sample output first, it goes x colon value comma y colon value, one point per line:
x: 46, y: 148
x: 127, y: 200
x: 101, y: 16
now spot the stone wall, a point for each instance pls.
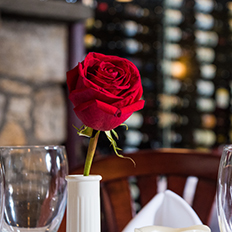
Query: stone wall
x: 33, y: 63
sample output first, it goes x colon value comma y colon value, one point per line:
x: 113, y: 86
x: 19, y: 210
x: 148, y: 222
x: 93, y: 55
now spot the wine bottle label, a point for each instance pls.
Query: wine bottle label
x: 174, y: 137
x: 205, y: 104
x: 134, y: 10
x: 133, y: 46
x: 222, y: 98
x: 204, y: 21
x: 173, y: 3
x: 166, y: 119
x: 206, y: 38
x: 135, y: 120
x: 205, y: 55
x: 130, y: 28
x: 205, y: 88
x: 168, y: 102
x: 133, y: 137
x: 166, y: 66
x: 229, y: 5
x: 208, y: 121
x: 172, y: 51
x: 173, y: 17
x: 172, y: 86
x: 205, y: 6
x: 172, y: 34
x: 208, y: 71
x: 204, y: 137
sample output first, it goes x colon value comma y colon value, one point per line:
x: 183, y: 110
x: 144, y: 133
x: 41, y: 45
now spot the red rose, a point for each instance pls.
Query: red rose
x: 105, y: 90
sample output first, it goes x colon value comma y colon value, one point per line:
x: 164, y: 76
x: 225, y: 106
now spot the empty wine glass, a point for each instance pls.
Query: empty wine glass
x: 2, y: 192
x: 224, y: 190
x: 35, y: 187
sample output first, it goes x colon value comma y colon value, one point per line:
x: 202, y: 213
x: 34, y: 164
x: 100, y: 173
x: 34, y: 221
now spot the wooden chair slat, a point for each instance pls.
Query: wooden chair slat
x: 176, y: 184
x: 120, y: 199
x: 203, y: 198
x: 148, y: 188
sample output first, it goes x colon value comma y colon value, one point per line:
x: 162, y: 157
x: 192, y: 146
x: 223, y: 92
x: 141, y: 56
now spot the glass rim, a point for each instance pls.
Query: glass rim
x: 81, y: 177
x: 46, y: 147
x: 227, y: 146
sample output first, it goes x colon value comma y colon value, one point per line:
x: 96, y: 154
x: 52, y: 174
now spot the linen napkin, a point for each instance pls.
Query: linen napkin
x: 165, y: 209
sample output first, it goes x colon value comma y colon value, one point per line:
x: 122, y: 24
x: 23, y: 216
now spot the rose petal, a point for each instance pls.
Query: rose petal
x: 88, y: 94
x: 106, y: 117
x: 132, y: 108
x: 109, y: 109
x: 102, y: 120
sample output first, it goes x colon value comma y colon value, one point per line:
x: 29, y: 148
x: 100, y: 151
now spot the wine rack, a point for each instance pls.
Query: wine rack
x: 182, y: 49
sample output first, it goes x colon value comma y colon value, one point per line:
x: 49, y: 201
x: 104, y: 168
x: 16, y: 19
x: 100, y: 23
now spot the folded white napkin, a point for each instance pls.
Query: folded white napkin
x: 165, y: 209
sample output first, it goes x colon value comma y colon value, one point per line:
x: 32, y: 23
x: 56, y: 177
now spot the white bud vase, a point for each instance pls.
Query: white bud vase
x: 83, y: 203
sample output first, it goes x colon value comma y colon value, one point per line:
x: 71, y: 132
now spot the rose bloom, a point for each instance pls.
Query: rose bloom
x: 105, y: 90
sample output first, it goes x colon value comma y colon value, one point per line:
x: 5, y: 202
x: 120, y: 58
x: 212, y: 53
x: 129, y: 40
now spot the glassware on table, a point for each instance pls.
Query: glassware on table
x: 35, y: 186
x: 224, y: 190
x: 2, y: 192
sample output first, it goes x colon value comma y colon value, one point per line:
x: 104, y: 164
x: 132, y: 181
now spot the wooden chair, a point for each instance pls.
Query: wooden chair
x: 176, y: 164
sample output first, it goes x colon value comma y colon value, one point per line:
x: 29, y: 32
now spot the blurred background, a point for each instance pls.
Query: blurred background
x: 182, y: 49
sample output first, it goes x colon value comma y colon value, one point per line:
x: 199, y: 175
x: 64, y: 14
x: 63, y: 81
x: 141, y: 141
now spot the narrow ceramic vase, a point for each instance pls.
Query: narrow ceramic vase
x: 83, y: 203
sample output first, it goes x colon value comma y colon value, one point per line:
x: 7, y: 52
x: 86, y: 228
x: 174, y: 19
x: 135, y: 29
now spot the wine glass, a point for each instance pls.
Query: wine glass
x: 2, y: 192
x: 224, y: 190
x: 35, y: 187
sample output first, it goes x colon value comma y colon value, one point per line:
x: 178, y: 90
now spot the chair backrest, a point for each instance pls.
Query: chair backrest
x: 175, y: 164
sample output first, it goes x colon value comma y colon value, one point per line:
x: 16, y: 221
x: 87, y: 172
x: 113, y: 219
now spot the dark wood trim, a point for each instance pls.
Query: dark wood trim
x: 55, y: 10
x: 76, y: 54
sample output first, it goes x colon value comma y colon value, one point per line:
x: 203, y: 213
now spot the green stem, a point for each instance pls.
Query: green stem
x: 90, y: 153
